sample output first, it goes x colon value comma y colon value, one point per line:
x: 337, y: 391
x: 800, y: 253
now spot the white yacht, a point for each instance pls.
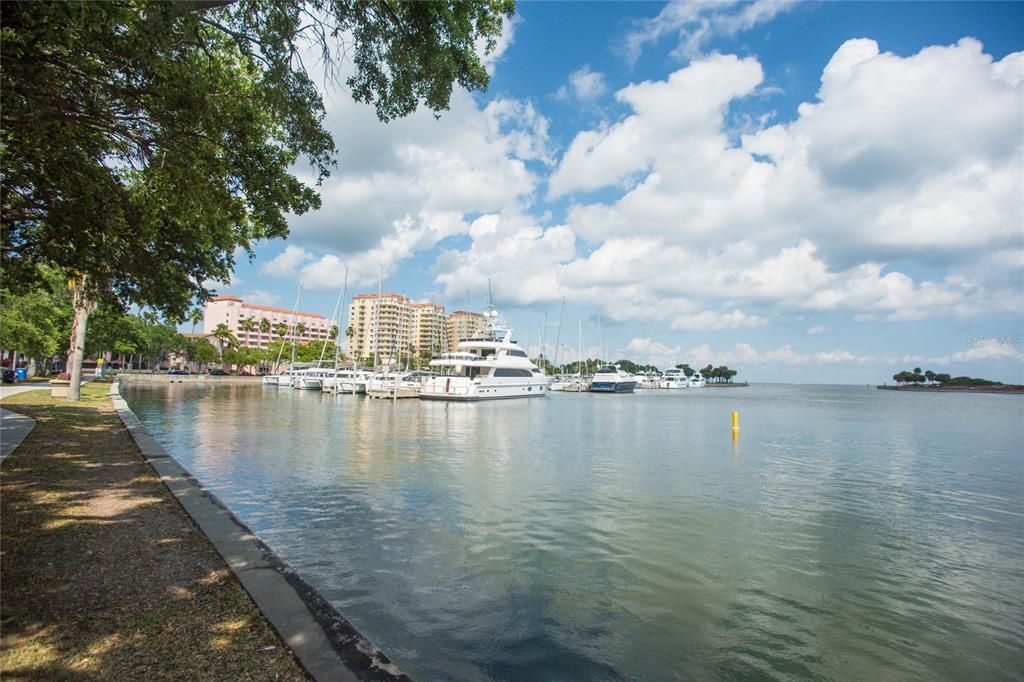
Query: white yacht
x: 697, y: 381
x: 674, y: 378
x: 346, y: 381
x: 313, y: 378
x: 649, y: 380
x: 569, y: 383
x: 487, y: 366
x: 612, y: 379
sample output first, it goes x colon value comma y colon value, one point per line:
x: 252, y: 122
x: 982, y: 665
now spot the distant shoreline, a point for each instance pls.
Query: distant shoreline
x: 955, y: 389
x: 742, y: 384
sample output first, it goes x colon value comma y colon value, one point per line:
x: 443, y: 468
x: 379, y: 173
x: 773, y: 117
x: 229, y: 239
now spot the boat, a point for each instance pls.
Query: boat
x: 346, y: 381
x: 487, y: 366
x: 312, y: 379
x: 612, y: 379
x: 697, y: 381
x: 568, y: 383
x: 395, y: 385
x: 674, y: 378
x: 648, y: 381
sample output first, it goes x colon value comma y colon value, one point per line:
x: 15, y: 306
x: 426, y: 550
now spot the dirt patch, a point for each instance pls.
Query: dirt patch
x: 104, y: 575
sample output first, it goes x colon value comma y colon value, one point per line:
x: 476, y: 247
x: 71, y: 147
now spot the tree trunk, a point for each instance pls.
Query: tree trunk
x: 83, y: 307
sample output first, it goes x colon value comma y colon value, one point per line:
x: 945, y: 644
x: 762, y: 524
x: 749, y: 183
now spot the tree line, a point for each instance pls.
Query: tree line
x: 929, y: 377
x: 720, y: 374
x: 147, y: 143
x: 36, y: 328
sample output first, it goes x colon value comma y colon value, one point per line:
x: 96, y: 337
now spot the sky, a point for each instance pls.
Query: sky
x: 808, y: 192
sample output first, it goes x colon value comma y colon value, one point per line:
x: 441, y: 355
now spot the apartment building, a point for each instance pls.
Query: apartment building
x: 462, y: 324
x: 233, y: 311
x: 430, y: 328
x: 379, y: 324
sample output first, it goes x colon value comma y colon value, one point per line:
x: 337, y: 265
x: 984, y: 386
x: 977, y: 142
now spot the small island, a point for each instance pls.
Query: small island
x: 931, y: 382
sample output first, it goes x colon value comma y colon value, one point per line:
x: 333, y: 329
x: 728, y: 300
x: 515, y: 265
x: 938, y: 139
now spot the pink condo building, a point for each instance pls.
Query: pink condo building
x: 232, y: 311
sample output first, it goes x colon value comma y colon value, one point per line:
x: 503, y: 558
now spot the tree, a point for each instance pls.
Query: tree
x: 195, y: 316
x: 930, y: 376
x: 687, y: 370
x: 300, y: 329
x: 35, y: 322
x: 281, y: 330
x: 707, y: 372
x: 224, y: 337
x: 264, y: 329
x: 146, y: 142
x: 201, y: 351
x: 248, y: 325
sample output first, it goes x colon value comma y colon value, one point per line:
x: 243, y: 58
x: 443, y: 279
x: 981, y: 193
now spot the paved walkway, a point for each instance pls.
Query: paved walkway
x: 14, y: 427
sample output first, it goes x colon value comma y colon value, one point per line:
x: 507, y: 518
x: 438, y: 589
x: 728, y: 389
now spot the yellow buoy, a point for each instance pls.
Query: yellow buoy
x: 735, y: 421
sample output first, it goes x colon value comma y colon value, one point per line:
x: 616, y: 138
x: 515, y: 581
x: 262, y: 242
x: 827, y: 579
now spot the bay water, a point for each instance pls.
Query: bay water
x: 847, y: 534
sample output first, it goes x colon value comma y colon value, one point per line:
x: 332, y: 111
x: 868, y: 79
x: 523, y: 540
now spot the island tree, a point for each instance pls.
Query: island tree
x: 145, y: 142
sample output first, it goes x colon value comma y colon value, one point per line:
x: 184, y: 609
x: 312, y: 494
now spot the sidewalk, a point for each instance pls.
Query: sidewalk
x: 104, y: 575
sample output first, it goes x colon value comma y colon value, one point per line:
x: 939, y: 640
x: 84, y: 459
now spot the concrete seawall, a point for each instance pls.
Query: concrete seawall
x: 326, y: 644
x: 187, y: 379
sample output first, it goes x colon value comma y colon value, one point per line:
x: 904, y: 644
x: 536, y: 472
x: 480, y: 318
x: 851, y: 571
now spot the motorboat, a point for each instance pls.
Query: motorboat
x: 697, y: 381
x: 674, y: 378
x: 487, y: 366
x: 612, y: 379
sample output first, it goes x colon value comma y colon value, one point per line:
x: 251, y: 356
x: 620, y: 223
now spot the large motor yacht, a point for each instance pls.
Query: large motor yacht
x: 674, y: 378
x: 611, y: 379
x: 486, y: 366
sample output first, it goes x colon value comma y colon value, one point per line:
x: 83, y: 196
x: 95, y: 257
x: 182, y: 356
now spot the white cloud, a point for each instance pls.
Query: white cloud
x: 695, y: 23
x: 816, y: 329
x: 260, y: 297
x: 287, y: 263
x: 991, y: 349
x: 584, y: 85
x: 712, y: 321
x: 811, y: 211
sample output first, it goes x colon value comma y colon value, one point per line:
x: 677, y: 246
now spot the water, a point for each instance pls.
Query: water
x: 851, y: 533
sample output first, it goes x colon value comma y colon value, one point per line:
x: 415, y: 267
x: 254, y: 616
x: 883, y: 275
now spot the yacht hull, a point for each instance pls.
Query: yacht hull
x: 452, y: 388
x: 613, y: 387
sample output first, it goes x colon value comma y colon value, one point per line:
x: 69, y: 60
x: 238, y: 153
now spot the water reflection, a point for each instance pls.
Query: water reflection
x: 856, y: 534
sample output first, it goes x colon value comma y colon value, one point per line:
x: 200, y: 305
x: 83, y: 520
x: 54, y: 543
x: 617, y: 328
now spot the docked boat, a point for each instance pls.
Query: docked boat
x: 312, y: 379
x: 487, y: 366
x: 674, y: 378
x: 648, y: 381
x: 569, y: 383
x: 346, y: 381
x: 395, y: 385
x: 697, y: 381
x: 612, y: 379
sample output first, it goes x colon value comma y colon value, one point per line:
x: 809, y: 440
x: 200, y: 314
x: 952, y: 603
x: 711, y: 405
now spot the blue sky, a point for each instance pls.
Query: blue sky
x: 807, y: 192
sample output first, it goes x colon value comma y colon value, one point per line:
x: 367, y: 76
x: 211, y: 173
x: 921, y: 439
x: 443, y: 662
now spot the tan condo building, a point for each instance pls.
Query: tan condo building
x: 233, y: 311
x: 430, y: 328
x: 379, y: 325
x: 463, y: 324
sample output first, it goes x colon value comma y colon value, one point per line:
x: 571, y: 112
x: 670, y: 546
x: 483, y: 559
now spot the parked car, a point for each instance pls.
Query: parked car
x: 178, y: 372
x: 218, y: 373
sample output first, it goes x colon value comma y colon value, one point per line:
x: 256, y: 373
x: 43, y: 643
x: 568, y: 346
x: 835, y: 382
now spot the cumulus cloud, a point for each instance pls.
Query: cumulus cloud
x: 816, y: 329
x: 584, y: 85
x: 991, y: 349
x: 695, y: 23
x: 806, y: 215
x: 287, y: 263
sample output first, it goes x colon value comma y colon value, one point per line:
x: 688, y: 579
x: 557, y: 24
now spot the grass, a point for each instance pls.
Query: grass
x: 104, y: 575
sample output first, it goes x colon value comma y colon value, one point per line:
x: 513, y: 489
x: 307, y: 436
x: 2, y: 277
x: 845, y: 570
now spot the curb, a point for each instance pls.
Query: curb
x: 325, y: 643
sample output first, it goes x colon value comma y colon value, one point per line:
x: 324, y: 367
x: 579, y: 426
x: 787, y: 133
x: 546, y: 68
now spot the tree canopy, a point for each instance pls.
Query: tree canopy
x: 144, y: 142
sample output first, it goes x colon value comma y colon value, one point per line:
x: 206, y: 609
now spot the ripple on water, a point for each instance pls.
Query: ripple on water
x: 853, y: 535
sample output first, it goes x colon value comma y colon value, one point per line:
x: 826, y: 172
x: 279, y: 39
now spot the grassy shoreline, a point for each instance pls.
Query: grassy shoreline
x: 104, y: 574
x: 1003, y: 388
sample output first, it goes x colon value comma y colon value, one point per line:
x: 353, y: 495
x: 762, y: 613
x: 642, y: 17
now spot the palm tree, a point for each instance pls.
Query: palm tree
x: 300, y: 329
x: 195, y: 316
x: 224, y: 337
x: 248, y: 325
